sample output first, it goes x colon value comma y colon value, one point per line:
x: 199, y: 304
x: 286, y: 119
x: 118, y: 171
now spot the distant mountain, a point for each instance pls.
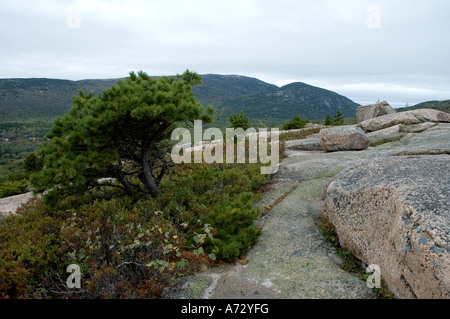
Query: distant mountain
x: 294, y: 99
x: 443, y: 106
x: 42, y: 98
x: 218, y: 88
x: 49, y: 98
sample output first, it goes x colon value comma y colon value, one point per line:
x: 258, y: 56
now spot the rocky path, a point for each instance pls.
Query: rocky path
x: 291, y: 259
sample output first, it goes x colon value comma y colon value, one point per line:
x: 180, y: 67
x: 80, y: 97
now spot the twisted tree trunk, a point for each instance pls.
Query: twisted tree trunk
x: 149, y: 181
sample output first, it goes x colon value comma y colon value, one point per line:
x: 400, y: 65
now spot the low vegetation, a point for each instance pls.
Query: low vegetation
x: 128, y: 248
x: 300, y: 134
x: 13, y: 187
x: 127, y: 244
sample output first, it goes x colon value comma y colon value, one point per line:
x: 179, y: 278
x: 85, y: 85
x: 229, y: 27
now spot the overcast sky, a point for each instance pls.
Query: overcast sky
x: 397, y: 50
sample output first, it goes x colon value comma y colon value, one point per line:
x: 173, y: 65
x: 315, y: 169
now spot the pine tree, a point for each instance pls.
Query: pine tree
x: 118, y: 135
x: 239, y: 120
x: 338, y: 118
x: 328, y: 121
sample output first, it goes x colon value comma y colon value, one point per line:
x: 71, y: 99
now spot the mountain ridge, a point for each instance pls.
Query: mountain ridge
x: 443, y: 106
x: 296, y: 98
x: 31, y: 98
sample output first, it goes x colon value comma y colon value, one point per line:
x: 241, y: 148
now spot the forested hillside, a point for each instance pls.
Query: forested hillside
x: 25, y: 99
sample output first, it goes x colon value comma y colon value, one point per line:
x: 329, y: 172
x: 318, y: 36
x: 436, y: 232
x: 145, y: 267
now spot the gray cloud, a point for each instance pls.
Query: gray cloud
x: 324, y: 42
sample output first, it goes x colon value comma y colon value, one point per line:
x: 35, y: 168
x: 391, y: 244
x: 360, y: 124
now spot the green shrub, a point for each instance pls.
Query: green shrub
x: 296, y: 123
x: 232, y: 222
x: 29, y: 250
x: 33, y: 163
x: 11, y: 188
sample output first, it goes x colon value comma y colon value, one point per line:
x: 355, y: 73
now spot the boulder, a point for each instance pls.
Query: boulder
x: 343, y: 138
x: 440, y: 127
x: 431, y: 115
x: 393, y: 212
x: 430, y: 142
x: 373, y: 110
x: 389, y: 120
x: 417, y: 128
x: 307, y: 144
x: 405, y: 118
x: 9, y: 205
x: 386, y: 135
